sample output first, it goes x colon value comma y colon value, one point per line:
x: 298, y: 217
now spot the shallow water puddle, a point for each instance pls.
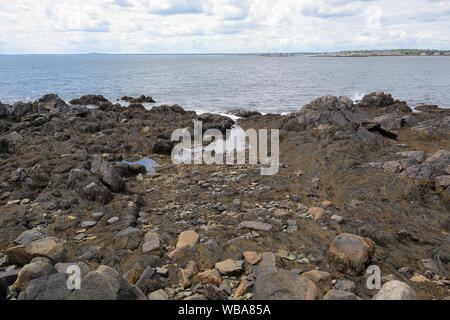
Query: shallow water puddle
x: 148, y: 163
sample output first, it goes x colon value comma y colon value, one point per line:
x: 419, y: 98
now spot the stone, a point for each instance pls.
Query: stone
x: 284, y: 285
x: 49, y: 247
x: 337, y: 218
x: 149, y: 281
x: 419, y: 278
x: 229, y: 267
x: 97, y: 193
x: 327, y: 204
x: 98, y: 215
x: 88, y: 224
x: 350, y: 252
x: 158, y: 295
x: 113, y: 220
x: 108, y: 271
x: 187, y: 239
x: 7, y: 278
x: 431, y: 265
x: 345, y: 285
x: 32, y: 271
x: 28, y: 236
x: 105, y: 172
x: 439, y: 161
x: 151, y: 242
x: 252, y: 257
x: 316, y: 212
x: 213, y: 293
x: 320, y: 278
x: 243, y: 288
x: 129, y: 238
x: 443, y: 181
x: 4, y: 261
x: 211, y: 276
x: 419, y: 156
x: 334, y: 294
x: 49, y: 287
x: 63, y: 267
x: 392, y: 166
x: 255, y: 225
x: 103, y: 286
x: 418, y: 171
x: 395, y: 290
x: 186, y: 274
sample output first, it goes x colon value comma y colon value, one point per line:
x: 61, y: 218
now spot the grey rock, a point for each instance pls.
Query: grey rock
x: 284, y: 285
x: 7, y: 278
x: 255, y: 225
x: 420, y: 156
x: 395, y: 290
x: 64, y: 267
x: 418, y: 171
x: 50, y: 287
x: 102, y: 286
x: 439, y: 161
x: 334, y: 294
x: 88, y: 224
x: 32, y: 271
x: 28, y: 236
x: 345, y: 285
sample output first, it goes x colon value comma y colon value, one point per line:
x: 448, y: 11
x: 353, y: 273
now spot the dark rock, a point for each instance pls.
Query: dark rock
x: 91, y: 99
x: 331, y: 110
x: 105, y: 172
x: 141, y: 99
x: 284, y: 285
x: 334, y: 294
x: 106, y: 286
x: 49, y: 287
x: 7, y: 278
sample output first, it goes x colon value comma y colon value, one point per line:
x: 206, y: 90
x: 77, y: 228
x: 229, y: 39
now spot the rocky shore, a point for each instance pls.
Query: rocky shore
x: 359, y: 184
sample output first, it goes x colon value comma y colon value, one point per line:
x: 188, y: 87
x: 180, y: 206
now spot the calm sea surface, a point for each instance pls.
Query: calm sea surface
x: 217, y: 83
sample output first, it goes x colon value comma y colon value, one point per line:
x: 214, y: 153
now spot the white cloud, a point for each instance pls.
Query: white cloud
x: 183, y: 26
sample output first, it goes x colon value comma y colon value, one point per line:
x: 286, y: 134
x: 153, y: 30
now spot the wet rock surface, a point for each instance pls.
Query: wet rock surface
x: 359, y: 184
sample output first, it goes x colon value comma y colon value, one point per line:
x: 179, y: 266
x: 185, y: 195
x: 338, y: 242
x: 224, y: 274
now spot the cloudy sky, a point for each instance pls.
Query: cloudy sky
x: 213, y: 26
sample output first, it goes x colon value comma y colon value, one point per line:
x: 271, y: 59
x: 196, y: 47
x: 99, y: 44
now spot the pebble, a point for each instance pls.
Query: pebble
x: 113, y: 220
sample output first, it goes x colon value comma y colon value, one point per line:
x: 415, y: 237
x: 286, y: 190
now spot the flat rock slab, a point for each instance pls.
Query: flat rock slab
x: 49, y: 247
x: 256, y: 225
x: 229, y: 267
x: 284, y: 285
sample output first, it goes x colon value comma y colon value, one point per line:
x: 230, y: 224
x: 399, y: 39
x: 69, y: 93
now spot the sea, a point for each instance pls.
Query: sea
x: 219, y: 83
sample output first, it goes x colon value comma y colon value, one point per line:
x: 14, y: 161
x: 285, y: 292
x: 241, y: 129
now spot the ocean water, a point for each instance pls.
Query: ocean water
x: 217, y: 83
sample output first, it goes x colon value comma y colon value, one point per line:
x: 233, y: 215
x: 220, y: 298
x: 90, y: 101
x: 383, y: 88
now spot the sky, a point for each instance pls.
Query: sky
x: 221, y: 26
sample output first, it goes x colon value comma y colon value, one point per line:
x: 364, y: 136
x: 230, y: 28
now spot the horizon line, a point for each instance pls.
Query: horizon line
x: 224, y: 53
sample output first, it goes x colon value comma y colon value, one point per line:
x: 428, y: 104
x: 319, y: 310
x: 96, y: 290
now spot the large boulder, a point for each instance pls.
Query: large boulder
x: 105, y: 285
x: 349, y: 253
x: 215, y: 121
x: 36, y: 269
x: 395, y: 290
x: 439, y: 161
x: 49, y: 247
x: 128, y: 238
x: 331, y: 110
x: 90, y: 99
x: 106, y: 172
x: 284, y: 285
x: 48, y: 287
